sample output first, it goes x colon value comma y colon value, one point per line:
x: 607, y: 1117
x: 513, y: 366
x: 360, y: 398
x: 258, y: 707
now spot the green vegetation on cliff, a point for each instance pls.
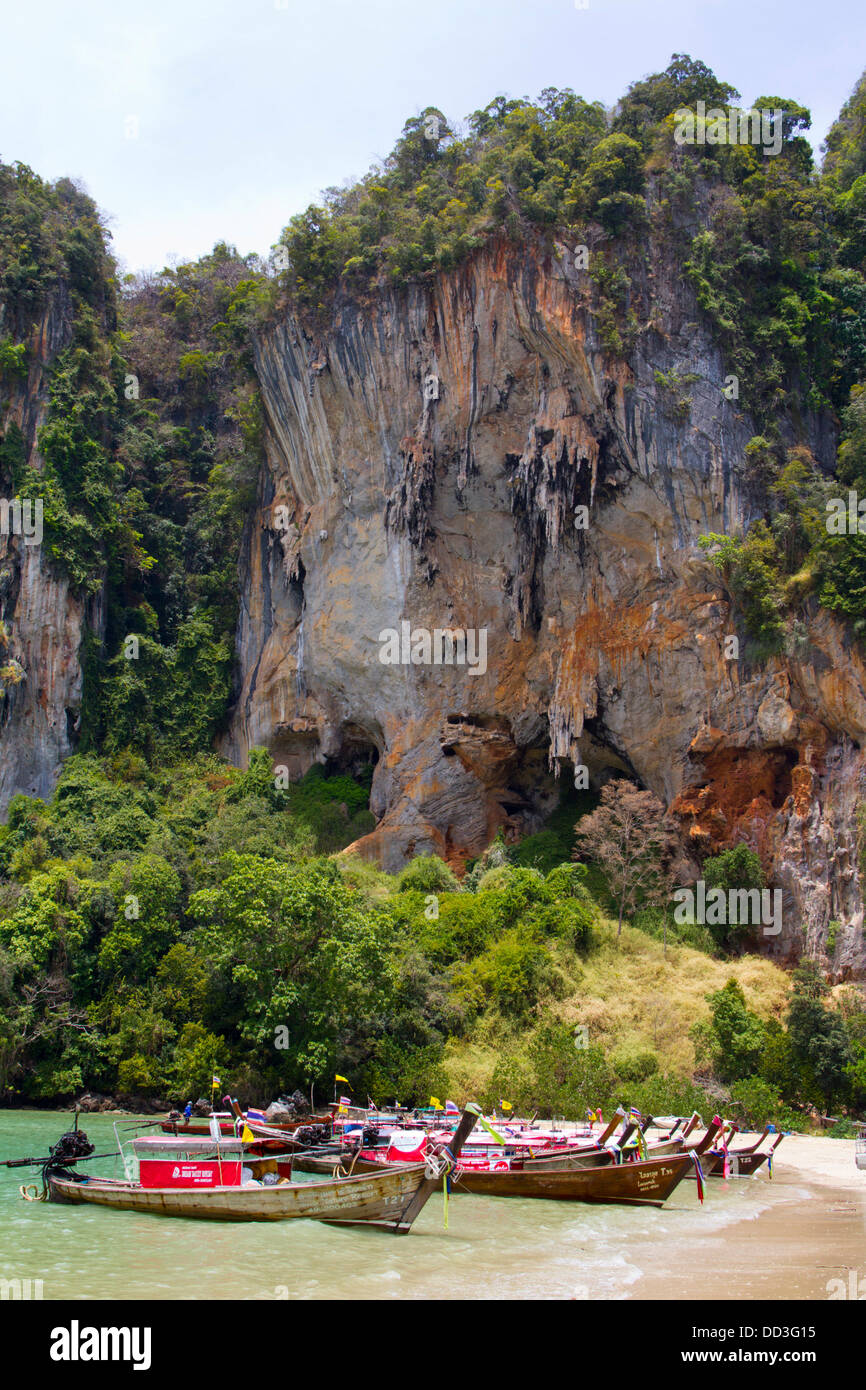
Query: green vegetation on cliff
x: 147, y: 461
x: 158, y: 925
x: 774, y: 248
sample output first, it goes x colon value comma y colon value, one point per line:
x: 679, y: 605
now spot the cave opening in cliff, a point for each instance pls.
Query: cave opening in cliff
x: 296, y: 585
x: 356, y: 756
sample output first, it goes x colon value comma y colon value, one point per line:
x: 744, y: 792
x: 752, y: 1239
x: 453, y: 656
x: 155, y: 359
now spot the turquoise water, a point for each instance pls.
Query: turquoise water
x: 502, y: 1248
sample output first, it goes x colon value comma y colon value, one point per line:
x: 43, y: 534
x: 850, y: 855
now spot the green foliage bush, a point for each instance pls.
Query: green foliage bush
x: 427, y: 874
x: 635, y: 1064
x: 755, y: 1103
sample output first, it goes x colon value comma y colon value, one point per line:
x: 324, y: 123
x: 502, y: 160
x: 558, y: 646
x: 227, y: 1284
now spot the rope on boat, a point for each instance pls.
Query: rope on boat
x: 26, y: 1188
x: 438, y: 1166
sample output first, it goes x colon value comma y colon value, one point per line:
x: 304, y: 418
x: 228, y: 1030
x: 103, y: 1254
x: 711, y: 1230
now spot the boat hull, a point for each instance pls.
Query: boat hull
x: 593, y: 1158
x: 390, y: 1199
x: 567, y: 1162
x: 739, y: 1165
x: 648, y: 1183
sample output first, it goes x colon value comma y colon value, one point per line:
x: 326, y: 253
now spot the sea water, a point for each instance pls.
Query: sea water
x: 492, y: 1247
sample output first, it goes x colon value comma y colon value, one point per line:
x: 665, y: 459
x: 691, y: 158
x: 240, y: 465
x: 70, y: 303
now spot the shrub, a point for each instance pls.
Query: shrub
x: 755, y: 1103
x: 509, y: 974
x: 635, y: 1064
x: 427, y: 874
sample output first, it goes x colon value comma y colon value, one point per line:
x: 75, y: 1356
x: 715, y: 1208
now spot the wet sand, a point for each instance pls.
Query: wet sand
x: 797, y: 1232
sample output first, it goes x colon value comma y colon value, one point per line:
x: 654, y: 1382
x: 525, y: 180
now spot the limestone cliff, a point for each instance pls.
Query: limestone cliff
x: 38, y: 716
x: 428, y: 458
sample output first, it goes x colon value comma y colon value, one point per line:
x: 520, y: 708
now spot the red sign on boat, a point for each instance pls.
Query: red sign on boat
x: 188, y: 1163
x: 155, y: 1172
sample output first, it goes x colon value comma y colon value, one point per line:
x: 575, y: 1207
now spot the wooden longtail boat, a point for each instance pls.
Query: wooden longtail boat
x: 740, y: 1163
x: 389, y: 1198
x: 684, y: 1126
x: 519, y: 1154
x: 646, y: 1183
x: 592, y: 1158
x: 707, y: 1138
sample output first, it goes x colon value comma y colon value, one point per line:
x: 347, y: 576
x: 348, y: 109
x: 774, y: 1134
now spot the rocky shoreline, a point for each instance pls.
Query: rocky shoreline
x: 94, y: 1102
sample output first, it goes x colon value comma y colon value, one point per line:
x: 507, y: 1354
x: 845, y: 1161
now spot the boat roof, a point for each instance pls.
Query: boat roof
x: 194, y: 1143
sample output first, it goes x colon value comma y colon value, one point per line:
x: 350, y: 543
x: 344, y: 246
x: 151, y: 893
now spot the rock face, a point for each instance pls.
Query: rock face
x: 38, y: 717
x: 468, y: 456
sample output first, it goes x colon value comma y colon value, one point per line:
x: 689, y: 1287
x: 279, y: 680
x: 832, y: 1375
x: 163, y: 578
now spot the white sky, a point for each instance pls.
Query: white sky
x: 246, y: 109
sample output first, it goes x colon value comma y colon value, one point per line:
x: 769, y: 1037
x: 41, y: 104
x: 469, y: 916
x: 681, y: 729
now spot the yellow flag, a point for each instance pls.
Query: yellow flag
x: 436, y: 1103
x: 247, y: 1136
x: 344, y: 1079
x: 506, y: 1105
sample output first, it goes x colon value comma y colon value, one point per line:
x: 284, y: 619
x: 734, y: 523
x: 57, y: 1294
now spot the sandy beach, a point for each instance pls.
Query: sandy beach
x: 798, y: 1232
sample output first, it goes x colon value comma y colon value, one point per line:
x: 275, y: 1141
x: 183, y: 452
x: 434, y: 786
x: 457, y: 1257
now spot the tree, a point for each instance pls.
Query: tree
x: 683, y: 82
x: 147, y: 895
x: 817, y: 1033
x: 735, y: 868
x: 612, y: 181
x: 735, y: 1037
x: 295, y: 950
x: 628, y: 837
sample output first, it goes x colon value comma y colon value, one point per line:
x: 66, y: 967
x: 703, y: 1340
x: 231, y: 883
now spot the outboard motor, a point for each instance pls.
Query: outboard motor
x: 69, y: 1147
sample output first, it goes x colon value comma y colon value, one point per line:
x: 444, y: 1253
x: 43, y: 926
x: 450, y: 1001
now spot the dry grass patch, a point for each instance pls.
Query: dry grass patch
x: 629, y: 993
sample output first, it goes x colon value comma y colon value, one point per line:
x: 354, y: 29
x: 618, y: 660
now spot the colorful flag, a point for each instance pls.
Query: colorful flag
x: 215, y: 1082
x: 345, y: 1100
x: 485, y: 1124
x: 258, y: 1116
x: 451, y: 1108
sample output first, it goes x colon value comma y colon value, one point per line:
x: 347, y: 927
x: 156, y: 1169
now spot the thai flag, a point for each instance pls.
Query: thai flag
x: 258, y: 1116
x: 451, y: 1108
x: 344, y: 1100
